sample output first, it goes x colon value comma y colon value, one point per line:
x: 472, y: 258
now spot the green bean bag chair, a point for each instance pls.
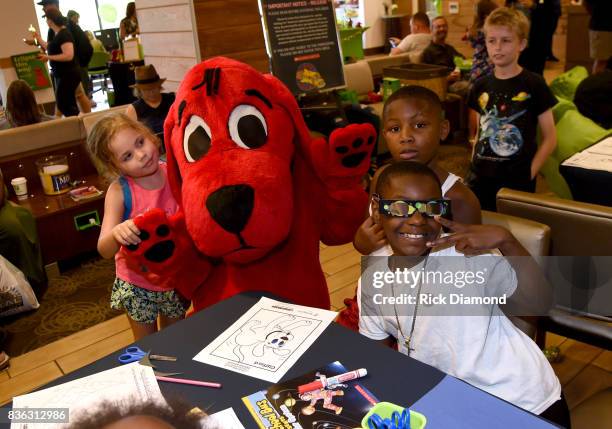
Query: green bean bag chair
x: 575, y: 133
x: 564, y: 85
x: 562, y: 106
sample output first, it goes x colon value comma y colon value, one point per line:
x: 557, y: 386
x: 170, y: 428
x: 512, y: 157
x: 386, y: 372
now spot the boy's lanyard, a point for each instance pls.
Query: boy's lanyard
x: 408, y: 339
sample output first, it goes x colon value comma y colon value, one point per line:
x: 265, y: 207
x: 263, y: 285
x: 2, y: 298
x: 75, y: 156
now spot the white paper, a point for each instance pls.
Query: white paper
x: 267, y: 340
x: 604, y: 147
x: 132, y: 381
x: 226, y: 419
x: 590, y: 161
x: 596, y: 157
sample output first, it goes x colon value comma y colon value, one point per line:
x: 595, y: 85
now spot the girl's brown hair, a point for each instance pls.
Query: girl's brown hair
x: 21, y: 104
x: 483, y: 9
x: 103, y: 133
x: 130, y: 9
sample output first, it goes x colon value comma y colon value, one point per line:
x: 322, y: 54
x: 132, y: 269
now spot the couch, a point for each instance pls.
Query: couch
x: 535, y: 238
x: 581, y: 241
x: 58, y: 218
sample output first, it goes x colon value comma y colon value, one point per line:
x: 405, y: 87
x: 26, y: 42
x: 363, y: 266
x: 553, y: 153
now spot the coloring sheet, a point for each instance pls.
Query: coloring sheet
x: 117, y: 384
x: 267, y: 340
x: 226, y: 419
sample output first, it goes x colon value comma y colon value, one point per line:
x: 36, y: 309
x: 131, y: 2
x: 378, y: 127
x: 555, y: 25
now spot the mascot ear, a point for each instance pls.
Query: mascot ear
x: 284, y: 98
x: 174, y: 174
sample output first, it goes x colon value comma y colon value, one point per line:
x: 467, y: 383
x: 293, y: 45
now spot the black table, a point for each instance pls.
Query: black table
x: 392, y: 376
x: 588, y: 186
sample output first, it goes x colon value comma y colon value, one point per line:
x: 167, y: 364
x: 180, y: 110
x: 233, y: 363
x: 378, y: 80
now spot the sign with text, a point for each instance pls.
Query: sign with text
x: 302, y: 44
x: 34, y: 71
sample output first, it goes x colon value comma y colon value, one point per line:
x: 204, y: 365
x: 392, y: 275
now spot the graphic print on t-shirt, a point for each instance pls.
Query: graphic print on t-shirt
x: 499, y: 137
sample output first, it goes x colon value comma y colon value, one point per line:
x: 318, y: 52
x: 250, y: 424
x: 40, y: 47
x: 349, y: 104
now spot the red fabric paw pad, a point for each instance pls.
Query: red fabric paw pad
x: 353, y: 144
x: 159, y: 249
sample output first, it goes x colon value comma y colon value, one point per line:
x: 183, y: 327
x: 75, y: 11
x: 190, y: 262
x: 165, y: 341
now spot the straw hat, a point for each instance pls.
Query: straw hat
x: 146, y: 77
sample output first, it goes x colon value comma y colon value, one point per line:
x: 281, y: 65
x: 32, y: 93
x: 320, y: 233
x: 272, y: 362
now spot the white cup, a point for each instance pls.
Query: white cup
x: 20, y: 186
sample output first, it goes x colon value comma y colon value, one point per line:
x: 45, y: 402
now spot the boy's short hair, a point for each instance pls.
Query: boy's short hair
x: 422, y: 18
x: 176, y: 413
x: 511, y: 18
x: 404, y: 168
x: 414, y: 91
x: 103, y: 132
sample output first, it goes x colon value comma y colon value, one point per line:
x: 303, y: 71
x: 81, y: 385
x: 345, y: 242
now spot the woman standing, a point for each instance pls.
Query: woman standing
x: 129, y: 24
x: 60, y: 53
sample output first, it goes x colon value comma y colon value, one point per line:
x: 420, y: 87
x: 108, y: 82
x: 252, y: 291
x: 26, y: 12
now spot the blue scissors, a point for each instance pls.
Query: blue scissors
x: 134, y: 353
x: 397, y: 421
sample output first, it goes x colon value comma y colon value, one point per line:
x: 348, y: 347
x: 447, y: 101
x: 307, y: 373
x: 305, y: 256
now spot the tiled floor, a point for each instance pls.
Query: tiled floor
x: 583, y: 371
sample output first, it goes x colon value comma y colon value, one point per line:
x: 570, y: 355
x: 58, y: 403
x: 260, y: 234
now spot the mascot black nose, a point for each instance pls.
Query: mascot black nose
x: 231, y: 206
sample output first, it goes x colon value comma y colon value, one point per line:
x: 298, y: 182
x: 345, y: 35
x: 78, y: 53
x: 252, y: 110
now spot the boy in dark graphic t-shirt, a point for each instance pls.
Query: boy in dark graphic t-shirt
x: 510, y: 103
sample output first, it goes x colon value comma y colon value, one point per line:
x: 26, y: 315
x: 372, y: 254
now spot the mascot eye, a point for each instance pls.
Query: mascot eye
x: 247, y: 127
x: 196, y: 141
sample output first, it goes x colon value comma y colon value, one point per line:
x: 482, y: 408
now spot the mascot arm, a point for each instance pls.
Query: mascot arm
x: 341, y: 163
x: 166, y: 255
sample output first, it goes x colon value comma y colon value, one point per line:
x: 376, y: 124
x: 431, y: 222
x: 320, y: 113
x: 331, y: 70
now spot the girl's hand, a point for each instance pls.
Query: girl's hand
x: 472, y: 239
x: 43, y: 57
x: 370, y: 237
x: 126, y: 233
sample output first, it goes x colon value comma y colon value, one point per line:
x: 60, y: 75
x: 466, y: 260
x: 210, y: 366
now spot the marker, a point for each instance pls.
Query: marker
x: 338, y: 379
x: 187, y: 381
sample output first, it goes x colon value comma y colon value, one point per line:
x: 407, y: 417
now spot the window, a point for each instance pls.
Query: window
x: 93, y: 13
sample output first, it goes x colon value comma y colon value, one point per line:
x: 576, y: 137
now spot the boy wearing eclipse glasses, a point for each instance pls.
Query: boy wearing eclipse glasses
x: 444, y: 297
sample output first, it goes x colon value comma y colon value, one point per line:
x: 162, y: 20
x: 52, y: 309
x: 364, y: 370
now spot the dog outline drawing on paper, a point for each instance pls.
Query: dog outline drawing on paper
x: 255, y: 338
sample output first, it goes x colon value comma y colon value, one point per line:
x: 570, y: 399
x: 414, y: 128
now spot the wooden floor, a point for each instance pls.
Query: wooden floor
x: 583, y: 371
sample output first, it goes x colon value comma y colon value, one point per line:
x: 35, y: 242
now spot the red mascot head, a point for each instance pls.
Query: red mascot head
x: 231, y: 138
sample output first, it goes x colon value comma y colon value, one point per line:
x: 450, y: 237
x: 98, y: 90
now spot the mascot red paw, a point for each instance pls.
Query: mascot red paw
x: 348, y: 150
x: 257, y: 191
x: 166, y: 253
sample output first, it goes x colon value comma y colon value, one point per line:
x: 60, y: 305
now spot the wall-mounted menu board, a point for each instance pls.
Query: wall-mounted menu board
x: 34, y: 71
x: 302, y: 43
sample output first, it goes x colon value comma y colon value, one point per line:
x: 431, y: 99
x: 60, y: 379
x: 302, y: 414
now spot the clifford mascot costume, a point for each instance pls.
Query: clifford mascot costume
x: 256, y: 192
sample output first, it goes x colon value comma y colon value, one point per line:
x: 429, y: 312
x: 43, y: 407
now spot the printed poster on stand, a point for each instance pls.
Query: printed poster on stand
x: 303, y: 45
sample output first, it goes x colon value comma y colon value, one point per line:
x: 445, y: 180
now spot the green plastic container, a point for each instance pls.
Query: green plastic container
x: 390, y: 85
x: 385, y: 409
x: 351, y: 42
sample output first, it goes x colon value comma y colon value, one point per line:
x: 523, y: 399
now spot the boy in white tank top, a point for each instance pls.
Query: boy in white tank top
x: 413, y: 126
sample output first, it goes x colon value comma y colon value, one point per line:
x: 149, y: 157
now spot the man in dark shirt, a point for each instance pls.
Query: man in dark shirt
x: 442, y: 54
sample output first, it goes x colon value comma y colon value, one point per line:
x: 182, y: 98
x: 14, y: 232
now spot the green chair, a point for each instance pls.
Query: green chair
x: 97, y: 68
